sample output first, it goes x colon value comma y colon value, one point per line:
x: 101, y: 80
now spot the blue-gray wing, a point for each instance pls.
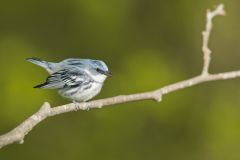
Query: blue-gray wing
x: 66, y: 78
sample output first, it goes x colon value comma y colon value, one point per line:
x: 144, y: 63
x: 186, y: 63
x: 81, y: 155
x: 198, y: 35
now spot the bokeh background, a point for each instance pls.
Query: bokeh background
x: 146, y: 44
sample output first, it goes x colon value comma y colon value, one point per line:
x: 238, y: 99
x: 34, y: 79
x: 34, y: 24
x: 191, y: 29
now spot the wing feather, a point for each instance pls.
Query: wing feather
x: 70, y: 77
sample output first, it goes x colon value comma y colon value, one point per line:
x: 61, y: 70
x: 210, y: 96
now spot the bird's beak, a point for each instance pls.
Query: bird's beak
x: 106, y: 73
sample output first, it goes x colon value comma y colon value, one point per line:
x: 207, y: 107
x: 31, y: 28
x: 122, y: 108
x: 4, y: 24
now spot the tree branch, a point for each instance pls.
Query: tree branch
x: 17, y: 134
x: 219, y: 11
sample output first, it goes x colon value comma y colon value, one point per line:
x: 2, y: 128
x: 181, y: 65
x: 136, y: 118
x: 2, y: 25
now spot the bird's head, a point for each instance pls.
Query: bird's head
x: 101, y: 67
x: 98, y: 70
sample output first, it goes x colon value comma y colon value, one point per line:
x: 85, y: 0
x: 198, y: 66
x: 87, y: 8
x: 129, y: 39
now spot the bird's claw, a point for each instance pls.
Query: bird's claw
x: 84, y: 106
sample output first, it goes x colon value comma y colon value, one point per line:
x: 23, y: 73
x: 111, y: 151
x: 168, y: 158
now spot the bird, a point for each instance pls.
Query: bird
x: 78, y: 80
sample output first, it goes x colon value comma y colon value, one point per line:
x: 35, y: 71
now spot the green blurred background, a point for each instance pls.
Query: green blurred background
x: 146, y: 44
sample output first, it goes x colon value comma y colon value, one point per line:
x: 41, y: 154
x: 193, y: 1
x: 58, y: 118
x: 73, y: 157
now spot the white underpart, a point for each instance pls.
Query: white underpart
x: 82, y: 95
x: 89, y: 93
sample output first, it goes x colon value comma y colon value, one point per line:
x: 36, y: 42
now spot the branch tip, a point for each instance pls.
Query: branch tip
x: 221, y: 10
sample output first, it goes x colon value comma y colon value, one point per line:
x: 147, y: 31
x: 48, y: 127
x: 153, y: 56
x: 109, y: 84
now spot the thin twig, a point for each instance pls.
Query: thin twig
x: 17, y: 134
x: 219, y: 11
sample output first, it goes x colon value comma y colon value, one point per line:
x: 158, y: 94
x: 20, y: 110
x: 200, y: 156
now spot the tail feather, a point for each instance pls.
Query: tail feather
x: 38, y: 62
x: 41, y: 85
x: 49, y: 66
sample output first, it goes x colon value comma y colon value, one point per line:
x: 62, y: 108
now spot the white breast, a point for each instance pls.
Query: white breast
x: 99, y: 78
x: 89, y: 93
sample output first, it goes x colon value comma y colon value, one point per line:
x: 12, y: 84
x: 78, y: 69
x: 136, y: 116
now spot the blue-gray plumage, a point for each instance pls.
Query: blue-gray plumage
x: 76, y: 79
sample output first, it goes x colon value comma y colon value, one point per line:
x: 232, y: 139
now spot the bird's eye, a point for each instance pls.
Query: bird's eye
x: 98, y: 70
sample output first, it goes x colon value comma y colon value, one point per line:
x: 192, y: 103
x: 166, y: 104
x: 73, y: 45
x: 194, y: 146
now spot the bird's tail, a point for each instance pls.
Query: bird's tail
x: 44, y: 64
x: 38, y: 62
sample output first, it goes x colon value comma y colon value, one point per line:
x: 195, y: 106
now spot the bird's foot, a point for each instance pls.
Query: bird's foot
x: 76, y: 106
x: 82, y: 106
x: 85, y: 106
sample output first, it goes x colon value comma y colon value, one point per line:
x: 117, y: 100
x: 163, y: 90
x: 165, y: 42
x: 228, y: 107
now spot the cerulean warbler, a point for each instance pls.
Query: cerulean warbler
x: 76, y: 79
